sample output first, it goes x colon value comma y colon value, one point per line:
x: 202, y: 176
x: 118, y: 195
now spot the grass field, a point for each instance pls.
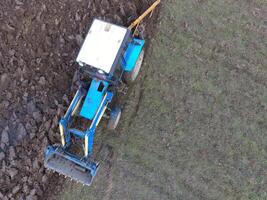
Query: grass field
x: 195, y: 125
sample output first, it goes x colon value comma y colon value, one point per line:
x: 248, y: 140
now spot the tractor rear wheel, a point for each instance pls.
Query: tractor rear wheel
x: 114, y: 118
x: 131, y: 76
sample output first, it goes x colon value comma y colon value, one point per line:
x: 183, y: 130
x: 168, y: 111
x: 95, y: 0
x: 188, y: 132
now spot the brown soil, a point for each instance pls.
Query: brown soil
x: 39, y: 41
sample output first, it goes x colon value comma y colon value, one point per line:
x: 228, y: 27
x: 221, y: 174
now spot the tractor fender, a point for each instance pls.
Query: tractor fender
x: 131, y: 54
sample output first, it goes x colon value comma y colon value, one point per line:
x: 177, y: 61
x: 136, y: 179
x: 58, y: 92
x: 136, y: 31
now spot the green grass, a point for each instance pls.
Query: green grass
x: 200, y: 129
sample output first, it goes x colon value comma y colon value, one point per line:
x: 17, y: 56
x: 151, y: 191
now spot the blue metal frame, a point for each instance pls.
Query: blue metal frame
x: 67, y: 117
x: 90, y: 131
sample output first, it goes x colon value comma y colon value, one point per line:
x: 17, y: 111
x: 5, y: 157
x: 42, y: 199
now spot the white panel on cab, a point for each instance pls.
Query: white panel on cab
x: 102, y: 45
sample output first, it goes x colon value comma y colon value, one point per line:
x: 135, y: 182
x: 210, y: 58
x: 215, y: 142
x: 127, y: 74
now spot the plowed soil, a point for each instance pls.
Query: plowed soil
x: 39, y: 41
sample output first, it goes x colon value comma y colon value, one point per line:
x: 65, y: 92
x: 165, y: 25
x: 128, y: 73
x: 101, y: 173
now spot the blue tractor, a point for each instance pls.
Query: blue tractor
x: 109, y: 54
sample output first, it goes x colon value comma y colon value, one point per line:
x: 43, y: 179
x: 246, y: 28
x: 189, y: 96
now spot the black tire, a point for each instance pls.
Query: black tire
x: 130, y: 77
x: 114, y: 118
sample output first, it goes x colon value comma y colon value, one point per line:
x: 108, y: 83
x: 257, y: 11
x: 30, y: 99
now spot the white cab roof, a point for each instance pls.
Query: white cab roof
x: 102, y: 45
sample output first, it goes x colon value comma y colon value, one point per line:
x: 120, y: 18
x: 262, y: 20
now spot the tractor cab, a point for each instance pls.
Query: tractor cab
x: 103, y: 47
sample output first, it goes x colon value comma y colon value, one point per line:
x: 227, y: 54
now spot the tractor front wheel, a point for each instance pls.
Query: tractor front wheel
x: 114, y: 118
x: 131, y: 76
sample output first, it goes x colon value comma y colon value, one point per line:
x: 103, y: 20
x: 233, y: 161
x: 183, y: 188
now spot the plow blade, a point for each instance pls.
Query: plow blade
x: 69, y: 165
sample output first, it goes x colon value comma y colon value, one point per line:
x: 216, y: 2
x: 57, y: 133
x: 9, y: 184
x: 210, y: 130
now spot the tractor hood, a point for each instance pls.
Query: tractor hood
x: 93, y: 98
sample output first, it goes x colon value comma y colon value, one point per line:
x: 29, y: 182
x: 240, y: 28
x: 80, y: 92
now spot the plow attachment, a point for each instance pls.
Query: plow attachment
x: 80, y: 170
